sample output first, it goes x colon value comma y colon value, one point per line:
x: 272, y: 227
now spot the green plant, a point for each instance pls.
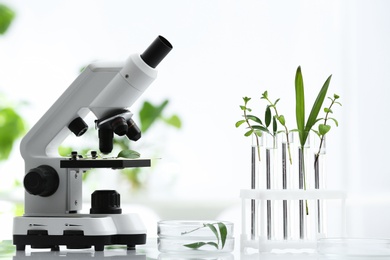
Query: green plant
x: 254, y: 130
x: 324, y: 128
x: 219, y: 230
x: 281, y: 119
x: 304, y: 126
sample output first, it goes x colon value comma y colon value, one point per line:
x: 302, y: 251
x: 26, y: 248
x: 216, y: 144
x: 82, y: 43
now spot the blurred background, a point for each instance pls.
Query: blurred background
x: 223, y: 51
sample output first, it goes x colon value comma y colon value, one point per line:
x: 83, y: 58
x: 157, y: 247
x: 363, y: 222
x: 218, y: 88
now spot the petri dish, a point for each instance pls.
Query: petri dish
x: 195, y: 236
x: 353, y: 247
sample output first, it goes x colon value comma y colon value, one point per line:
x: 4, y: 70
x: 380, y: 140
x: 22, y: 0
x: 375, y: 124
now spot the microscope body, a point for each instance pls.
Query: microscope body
x: 53, y: 197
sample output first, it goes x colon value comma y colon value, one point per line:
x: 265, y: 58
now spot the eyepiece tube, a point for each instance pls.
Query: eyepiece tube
x: 156, y: 52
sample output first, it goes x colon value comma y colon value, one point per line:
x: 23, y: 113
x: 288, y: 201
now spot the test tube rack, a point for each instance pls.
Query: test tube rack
x: 262, y: 235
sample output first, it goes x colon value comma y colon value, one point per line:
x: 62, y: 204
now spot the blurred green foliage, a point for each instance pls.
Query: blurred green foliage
x: 6, y: 17
x: 12, y: 125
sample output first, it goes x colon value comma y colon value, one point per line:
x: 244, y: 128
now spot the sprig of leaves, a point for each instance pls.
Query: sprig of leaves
x: 220, y: 231
x: 254, y: 130
x: 255, y: 124
x: 280, y: 118
x: 324, y: 128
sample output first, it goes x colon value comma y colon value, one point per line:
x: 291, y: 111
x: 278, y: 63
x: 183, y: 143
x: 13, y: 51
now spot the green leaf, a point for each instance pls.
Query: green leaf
x: 274, y: 125
x: 214, y: 230
x: 336, y: 96
x: 268, y: 116
x: 334, y: 120
x: 316, y: 108
x: 282, y: 120
x: 255, y: 119
x: 265, y: 95
x: 6, y: 17
x: 323, y: 129
x: 327, y: 110
x: 261, y: 128
x: 276, y: 101
x: 246, y: 99
x: 243, y: 108
x: 223, y: 232
x: 198, y: 245
x: 300, y: 105
x: 258, y: 132
x: 174, y: 121
x: 238, y: 123
x: 249, y: 132
x: 195, y: 245
x: 150, y: 113
x: 130, y: 154
x: 318, y: 133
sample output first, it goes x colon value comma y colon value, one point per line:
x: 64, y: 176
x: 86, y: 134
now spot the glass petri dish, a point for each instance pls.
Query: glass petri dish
x: 354, y: 247
x: 195, y: 237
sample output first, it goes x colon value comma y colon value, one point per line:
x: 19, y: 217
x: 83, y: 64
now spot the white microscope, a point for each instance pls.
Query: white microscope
x: 53, y: 184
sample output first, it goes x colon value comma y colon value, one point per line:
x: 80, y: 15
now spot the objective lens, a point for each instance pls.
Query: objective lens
x: 133, y: 132
x: 105, y: 140
x: 119, y: 126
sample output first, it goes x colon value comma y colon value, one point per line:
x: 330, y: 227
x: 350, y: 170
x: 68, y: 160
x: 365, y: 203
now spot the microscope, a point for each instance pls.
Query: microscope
x: 53, y: 184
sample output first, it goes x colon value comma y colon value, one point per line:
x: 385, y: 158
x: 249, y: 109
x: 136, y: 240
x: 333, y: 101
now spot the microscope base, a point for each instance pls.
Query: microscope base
x: 79, y: 231
x: 77, y: 241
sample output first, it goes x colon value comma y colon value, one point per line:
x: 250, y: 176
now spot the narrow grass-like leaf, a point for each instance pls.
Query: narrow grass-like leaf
x: 300, y: 105
x: 223, y: 232
x: 316, y: 108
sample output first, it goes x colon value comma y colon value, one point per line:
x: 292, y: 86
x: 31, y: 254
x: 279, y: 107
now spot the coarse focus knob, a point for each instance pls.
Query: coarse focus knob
x: 42, y: 181
x: 105, y: 202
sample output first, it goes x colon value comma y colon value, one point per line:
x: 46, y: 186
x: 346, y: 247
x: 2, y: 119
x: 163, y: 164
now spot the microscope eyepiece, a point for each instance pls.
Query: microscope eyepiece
x: 156, y: 52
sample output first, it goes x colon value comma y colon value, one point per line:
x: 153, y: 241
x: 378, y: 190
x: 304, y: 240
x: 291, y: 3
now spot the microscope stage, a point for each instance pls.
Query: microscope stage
x: 105, y: 163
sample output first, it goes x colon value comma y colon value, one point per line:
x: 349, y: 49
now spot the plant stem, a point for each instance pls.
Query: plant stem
x: 286, y: 130
x: 257, y: 138
x: 323, y: 136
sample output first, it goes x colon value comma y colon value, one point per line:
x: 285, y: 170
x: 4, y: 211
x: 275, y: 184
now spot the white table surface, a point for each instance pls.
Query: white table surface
x: 149, y: 251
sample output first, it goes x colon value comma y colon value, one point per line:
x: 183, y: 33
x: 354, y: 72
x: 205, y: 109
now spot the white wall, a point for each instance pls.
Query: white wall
x: 223, y: 50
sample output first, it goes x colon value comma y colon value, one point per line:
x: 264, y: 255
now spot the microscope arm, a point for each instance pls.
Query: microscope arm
x: 100, y: 88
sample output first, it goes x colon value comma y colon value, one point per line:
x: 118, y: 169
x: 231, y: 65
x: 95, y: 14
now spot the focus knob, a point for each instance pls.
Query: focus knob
x: 42, y: 181
x: 105, y: 202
